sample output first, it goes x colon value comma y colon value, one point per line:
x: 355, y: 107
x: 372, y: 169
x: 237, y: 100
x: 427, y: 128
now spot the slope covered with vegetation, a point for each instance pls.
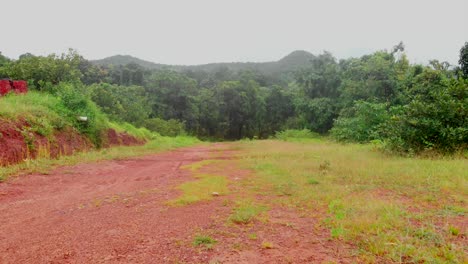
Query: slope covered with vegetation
x: 48, y: 125
x: 381, y: 97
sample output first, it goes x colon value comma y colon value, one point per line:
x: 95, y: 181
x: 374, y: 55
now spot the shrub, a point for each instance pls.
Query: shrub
x: 435, y: 119
x: 78, y: 105
x: 170, y: 127
x: 361, y: 123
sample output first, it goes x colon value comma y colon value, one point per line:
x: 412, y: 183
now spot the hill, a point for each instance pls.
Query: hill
x: 293, y: 61
x: 126, y: 59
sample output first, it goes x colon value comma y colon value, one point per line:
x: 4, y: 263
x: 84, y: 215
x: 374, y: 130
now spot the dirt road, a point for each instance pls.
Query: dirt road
x: 117, y: 212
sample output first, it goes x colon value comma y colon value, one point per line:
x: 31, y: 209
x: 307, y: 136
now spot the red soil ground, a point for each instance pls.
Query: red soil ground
x: 117, y: 212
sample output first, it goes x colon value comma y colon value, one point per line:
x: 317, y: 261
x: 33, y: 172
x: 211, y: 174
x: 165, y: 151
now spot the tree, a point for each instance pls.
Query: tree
x: 172, y: 96
x: 40, y: 71
x: 4, y: 61
x: 370, y: 78
x: 321, y: 79
x: 435, y: 118
x: 463, y: 61
x: 279, y: 108
x: 122, y: 103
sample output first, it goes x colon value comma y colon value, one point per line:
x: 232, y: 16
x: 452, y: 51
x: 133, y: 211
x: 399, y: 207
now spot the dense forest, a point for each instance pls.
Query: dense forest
x: 380, y: 97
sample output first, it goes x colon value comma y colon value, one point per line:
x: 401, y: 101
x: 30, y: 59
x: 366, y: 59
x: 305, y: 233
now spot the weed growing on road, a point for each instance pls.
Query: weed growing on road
x: 203, y: 240
x: 246, y: 211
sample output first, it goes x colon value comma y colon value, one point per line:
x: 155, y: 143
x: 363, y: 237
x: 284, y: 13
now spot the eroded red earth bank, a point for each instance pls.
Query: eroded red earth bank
x: 18, y: 141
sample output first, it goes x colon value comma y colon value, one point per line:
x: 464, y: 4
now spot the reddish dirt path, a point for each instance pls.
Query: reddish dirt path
x: 116, y: 212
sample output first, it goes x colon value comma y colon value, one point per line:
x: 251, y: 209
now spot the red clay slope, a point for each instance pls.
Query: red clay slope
x: 19, y: 142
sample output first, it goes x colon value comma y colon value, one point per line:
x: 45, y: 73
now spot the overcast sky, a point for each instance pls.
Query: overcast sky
x: 203, y: 31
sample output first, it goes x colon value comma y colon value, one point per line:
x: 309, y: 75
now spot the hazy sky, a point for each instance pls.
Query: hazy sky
x: 202, y: 31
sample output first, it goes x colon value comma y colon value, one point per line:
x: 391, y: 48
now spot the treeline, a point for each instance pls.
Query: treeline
x: 378, y: 97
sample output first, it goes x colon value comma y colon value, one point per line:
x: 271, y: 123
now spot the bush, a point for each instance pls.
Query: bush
x: 295, y: 134
x: 78, y: 105
x: 435, y: 119
x: 169, y: 128
x: 318, y: 114
x: 121, y: 103
x: 361, y: 123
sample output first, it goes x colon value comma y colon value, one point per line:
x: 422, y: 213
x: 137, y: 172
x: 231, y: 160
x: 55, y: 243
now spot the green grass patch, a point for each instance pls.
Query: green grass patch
x: 203, y: 240
x: 246, y: 212
x: 201, y: 189
x: 365, y: 195
x: 140, y: 133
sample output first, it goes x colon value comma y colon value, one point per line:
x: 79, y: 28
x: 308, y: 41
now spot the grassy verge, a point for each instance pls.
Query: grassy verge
x: 394, y: 209
x: 44, y: 165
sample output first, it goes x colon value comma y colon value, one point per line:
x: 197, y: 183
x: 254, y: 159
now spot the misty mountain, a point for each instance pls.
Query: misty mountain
x: 293, y: 61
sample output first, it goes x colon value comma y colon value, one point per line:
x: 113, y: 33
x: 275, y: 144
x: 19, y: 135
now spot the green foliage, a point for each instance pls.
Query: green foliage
x: 126, y: 75
x: 169, y: 128
x: 372, y: 77
x: 380, y: 96
x: 317, y: 114
x: 436, y: 118
x: 172, y: 96
x: 140, y: 133
x: 78, y: 104
x: 361, y: 123
x: 279, y: 108
x: 321, y: 78
x: 292, y: 134
x: 206, y: 241
x: 39, y: 71
x: 463, y: 61
x: 46, y: 113
x: 122, y: 103
x: 246, y: 212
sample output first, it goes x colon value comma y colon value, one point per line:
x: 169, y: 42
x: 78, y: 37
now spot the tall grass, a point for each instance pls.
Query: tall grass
x: 140, y: 133
x: 44, y: 112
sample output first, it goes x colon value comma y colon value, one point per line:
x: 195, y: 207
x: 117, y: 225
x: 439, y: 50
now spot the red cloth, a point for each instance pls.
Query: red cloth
x: 20, y: 86
x: 4, y: 87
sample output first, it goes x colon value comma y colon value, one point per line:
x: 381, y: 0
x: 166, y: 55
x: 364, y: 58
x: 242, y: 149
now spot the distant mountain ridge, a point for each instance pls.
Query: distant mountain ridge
x: 293, y: 61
